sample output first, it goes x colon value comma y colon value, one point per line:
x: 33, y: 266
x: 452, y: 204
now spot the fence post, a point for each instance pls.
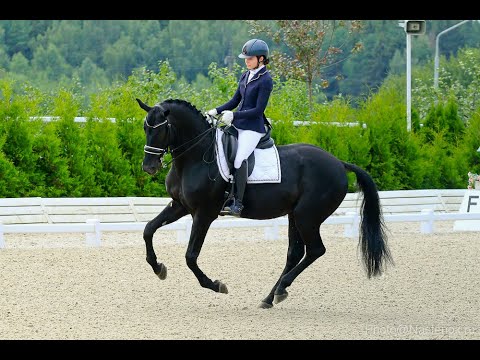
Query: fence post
x: 426, y: 227
x: 271, y: 232
x: 351, y: 229
x: 184, y: 234
x: 2, y: 240
x: 95, y: 238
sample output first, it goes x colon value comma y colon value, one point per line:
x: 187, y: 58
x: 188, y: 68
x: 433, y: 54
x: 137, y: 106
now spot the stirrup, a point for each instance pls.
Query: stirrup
x: 225, y: 210
x: 235, y: 209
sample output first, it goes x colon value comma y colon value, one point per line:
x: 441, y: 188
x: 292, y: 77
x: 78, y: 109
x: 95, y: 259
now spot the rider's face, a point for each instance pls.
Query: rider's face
x: 251, y: 62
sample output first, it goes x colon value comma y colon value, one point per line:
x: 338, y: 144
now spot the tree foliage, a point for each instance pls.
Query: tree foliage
x: 313, y: 45
x: 53, y: 53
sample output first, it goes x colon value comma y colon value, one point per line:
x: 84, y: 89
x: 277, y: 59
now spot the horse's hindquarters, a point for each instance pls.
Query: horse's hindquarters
x: 312, y: 181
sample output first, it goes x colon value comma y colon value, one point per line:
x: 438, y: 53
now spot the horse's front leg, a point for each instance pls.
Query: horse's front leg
x: 200, y: 226
x: 172, y: 212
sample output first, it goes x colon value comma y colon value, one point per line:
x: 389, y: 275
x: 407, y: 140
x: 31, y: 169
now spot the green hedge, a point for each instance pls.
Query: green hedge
x: 63, y: 158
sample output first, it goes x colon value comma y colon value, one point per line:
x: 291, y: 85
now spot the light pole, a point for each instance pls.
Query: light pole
x: 437, y: 57
x: 409, y: 82
x: 411, y: 27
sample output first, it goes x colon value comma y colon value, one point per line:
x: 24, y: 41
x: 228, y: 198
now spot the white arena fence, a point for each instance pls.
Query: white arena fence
x: 83, y: 119
x: 94, y: 216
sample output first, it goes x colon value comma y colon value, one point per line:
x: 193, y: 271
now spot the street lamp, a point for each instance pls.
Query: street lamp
x: 437, y: 59
x: 411, y: 27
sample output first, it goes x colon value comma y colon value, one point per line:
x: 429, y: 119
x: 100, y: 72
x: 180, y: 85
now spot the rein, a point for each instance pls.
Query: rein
x: 199, y: 137
x: 160, y: 152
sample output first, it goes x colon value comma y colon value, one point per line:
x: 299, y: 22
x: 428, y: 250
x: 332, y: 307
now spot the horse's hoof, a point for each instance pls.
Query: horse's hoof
x: 280, y: 297
x: 264, y: 305
x: 162, y: 273
x: 222, y: 288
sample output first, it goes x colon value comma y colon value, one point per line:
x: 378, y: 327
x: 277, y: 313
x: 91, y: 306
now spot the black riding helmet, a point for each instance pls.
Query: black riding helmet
x: 254, y: 47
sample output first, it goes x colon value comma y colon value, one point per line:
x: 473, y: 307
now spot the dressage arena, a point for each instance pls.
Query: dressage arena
x: 55, y: 287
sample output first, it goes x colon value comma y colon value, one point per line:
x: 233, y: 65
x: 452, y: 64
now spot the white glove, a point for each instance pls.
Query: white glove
x: 212, y: 112
x: 227, y: 117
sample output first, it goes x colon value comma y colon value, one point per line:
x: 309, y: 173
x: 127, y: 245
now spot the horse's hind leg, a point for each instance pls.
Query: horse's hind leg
x: 295, y: 253
x: 172, y: 212
x: 309, y: 230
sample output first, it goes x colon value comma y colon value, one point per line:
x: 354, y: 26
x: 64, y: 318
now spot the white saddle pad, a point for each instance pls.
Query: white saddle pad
x: 266, y: 169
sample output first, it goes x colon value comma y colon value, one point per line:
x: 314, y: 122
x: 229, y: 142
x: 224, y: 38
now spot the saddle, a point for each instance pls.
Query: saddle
x: 230, y: 145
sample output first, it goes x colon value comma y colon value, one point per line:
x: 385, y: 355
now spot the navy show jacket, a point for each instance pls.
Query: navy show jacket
x: 251, y: 99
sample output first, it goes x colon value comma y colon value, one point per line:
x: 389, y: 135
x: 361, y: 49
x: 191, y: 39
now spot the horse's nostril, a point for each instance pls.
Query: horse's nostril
x: 151, y: 170
x: 148, y: 169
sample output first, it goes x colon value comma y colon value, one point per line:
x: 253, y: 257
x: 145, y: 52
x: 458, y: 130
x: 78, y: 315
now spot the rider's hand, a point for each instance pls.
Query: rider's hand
x: 212, y: 112
x: 227, y: 117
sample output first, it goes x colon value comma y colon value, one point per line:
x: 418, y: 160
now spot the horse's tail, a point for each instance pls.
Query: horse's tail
x: 373, y: 239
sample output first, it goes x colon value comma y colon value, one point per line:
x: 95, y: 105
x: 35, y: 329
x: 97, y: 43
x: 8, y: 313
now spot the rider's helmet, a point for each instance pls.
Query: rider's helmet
x: 254, y: 47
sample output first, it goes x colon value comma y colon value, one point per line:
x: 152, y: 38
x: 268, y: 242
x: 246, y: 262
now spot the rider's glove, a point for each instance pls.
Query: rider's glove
x: 212, y: 112
x: 227, y: 117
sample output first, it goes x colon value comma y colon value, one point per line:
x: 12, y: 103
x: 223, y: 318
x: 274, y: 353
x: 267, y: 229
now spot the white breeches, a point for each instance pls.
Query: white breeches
x: 247, y: 141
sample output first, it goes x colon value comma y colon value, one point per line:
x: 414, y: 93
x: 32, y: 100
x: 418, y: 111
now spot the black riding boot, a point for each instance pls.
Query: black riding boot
x: 240, y: 181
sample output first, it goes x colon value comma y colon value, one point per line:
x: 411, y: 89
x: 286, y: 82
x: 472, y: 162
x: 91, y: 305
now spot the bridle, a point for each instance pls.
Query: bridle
x: 160, y: 152
x: 151, y: 149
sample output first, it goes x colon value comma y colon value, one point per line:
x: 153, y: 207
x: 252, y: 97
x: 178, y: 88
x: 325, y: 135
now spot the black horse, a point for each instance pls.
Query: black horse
x: 313, y: 185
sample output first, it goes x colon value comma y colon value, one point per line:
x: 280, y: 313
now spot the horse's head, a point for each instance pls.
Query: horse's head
x: 156, y: 129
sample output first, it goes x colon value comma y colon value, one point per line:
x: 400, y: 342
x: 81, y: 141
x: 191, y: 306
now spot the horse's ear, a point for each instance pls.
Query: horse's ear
x: 166, y: 112
x: 144, y: 106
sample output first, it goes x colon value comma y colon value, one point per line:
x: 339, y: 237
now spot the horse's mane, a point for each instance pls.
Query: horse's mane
x: 182, y: 103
